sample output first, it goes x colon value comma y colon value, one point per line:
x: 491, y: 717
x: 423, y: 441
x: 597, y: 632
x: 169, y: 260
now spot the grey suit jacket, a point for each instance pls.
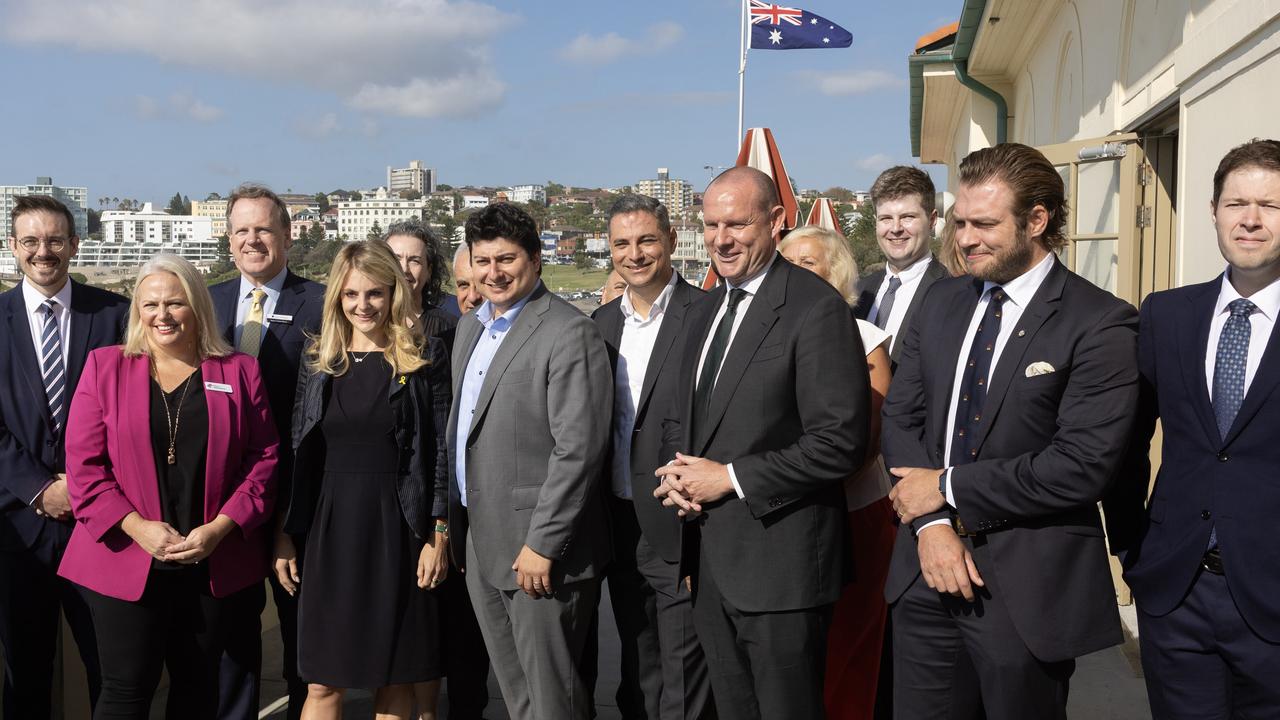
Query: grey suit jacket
x: 536, y: 446
x: 869, y: 285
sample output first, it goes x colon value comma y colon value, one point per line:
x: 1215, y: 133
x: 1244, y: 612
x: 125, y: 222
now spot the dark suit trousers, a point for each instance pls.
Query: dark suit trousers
x: 763, y: 665
x: 664, y: 673
x: 462, y: 648
x: 940, y: 641
x: 31, y: 596
x: 535, y: 644
x: 240, y: 670
x: 1203, y: 661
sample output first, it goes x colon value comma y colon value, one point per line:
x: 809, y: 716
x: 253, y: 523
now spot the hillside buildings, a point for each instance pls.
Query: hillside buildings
x: 75, y: 198
x: 356, y: 218
x: 415, y: 177
x: 130, y: 238
x: 676, y: 194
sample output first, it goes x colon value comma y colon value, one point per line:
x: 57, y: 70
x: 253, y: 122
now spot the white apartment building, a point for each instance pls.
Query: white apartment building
x: 676, y: 194
x: 75, y: 198
x: 690, y: 256
x: 474, y: 202
x: 414, y: 177
x: 527, y: 194
x: 131, y: 238
x: 214, y: 209
x: 357, y: 217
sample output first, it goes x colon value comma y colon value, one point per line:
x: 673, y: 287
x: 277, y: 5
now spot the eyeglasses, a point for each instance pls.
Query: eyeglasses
x: 55, y: 244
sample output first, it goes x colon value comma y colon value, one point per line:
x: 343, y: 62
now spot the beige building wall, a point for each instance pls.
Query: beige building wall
x: 1072, y: 70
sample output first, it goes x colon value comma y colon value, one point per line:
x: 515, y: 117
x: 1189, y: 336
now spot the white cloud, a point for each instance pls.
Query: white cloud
x: 853, y: 82
x: 180, y: 105
x: 424, y: 46
x: 601, y: 49
x: 877, y: 162
x: 461, y: 95
x: 317, y: 128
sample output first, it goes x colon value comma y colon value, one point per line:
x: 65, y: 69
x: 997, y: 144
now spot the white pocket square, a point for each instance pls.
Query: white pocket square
x: 1039, y: 368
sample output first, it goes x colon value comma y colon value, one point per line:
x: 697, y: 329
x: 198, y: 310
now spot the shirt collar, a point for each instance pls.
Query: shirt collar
x: 659, y: 306
x: 1022, y: 288
x: 752, y: 285
x: 913, y: 272
x: 484, y: 313
x: 34, y: 298
x: 273, y: 287
x: 1267, y: 299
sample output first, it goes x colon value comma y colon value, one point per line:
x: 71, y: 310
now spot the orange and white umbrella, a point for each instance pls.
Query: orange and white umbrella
x: 760, y: 151
x: 823, y: 214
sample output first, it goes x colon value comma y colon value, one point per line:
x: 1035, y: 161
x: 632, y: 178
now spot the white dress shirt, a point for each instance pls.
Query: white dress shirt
x: 34, y: 300
x: 910, y: 278
x: 1260, y: 325
x: 751, y: 286
x: 634, y: 349
x: 1018, y: 293
x: 272, y: 288
x: 872, y: 483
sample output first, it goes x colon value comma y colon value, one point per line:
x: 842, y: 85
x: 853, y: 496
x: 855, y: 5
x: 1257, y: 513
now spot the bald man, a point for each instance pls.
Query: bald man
x: 769, y: 419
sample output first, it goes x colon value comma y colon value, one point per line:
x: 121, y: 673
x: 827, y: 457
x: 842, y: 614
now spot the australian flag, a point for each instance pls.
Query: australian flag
x: 774, y: 27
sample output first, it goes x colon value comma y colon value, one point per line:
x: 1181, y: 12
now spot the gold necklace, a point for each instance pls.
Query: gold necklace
x: 171, y: 422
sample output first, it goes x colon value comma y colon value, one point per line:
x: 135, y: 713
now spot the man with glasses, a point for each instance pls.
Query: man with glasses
x: 52, y: 323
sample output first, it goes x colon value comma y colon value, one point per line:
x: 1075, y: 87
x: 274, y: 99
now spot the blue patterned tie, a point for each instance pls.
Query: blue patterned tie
x: 51, y: 369
x: 1228, y: 373
x: 974, y: 381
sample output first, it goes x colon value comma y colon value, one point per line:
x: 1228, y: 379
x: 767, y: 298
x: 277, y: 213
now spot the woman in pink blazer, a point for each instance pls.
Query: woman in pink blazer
x: 171, y: 456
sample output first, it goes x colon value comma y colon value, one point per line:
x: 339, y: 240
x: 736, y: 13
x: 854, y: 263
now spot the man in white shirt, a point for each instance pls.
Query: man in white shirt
x: 1005, y: 425
x: 903, y: 197
x: 664, y: 673
x: 1201, y: 557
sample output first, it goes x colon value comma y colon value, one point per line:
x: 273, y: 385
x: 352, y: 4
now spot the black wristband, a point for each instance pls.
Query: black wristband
x: 942, y: 484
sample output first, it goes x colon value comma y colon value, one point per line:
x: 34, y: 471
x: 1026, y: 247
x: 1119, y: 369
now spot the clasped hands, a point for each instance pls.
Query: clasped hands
x: 945, y: 562
x: 916, y: 492
x: 161, y: 541
x: 688, y: 483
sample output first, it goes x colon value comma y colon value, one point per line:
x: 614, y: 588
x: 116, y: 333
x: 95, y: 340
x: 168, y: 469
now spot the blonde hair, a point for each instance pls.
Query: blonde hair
x: 374, y: 260
x: 211, y: 343
x: 950, y: 254
x: 844, y: 268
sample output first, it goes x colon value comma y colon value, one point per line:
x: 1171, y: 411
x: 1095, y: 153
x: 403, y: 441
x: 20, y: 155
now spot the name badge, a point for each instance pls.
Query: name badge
x: 284, y: 319
x: 218, y: 387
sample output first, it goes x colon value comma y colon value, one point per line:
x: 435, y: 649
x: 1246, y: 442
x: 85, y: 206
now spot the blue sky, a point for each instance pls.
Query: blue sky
x: 142, y: 98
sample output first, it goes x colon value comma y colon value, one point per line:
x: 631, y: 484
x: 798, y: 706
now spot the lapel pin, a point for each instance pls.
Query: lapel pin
x: 1021, y: 333
x: 401, y: 379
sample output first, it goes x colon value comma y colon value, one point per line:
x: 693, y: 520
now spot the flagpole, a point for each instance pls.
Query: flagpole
x: 742, y: 70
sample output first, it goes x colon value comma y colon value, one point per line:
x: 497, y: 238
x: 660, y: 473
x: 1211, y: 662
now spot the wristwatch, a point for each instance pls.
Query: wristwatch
x: 942, y: 484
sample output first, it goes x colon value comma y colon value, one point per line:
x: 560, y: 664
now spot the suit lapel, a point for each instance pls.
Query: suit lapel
x: 289, y: 303
x: 220, y: 407
x: 519, y: 333
x: 950, y: 339
x: 23, y: 348
x: 1193, y: 341
x: 224, y: 306
x: 867, y: 296
x: 1264, y: 381
x: 81, y: 327
x: 1043, y: 305
x: 672, y: 326
x: 699, y: 326
x: 760, y: 317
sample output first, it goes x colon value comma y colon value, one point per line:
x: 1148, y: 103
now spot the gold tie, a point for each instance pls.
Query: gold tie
x: 251, y: 334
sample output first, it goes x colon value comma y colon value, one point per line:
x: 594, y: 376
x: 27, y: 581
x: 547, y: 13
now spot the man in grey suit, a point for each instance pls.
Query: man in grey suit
x: 528, y: 436
x: 903, y: 197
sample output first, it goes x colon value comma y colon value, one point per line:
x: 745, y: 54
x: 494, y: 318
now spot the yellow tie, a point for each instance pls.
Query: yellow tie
x: 251, y: 334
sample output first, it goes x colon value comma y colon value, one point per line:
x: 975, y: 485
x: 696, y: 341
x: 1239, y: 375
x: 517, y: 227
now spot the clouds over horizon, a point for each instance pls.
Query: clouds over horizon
x: 601, y: 49
x: 180, y: 105
x: 852, y: 82
x: 440, y: 66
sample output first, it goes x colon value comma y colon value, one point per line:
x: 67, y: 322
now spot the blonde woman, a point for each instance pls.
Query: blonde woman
x: 368, y: 492
x: 856, y: 637
x: 171, y: 458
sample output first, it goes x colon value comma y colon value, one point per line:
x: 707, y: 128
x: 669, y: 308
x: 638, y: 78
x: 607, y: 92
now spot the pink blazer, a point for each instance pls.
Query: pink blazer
x: 111, y: 472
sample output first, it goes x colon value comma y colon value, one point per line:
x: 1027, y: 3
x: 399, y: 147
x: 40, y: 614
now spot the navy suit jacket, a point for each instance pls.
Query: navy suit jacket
x: 869, y: 285
x: 31, y: 452
x: 281, y: 350
x: 661, y: 526
x: 1205, y: 480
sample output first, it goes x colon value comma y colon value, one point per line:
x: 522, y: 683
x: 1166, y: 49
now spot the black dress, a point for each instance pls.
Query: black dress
x: 182, y: 483
x: 362, y: 620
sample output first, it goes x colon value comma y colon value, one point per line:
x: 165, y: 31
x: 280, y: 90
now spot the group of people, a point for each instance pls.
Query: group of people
x: 811, y: 493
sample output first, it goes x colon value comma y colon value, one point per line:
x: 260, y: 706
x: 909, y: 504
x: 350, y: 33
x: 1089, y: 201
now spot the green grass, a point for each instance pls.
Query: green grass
x: 566, y: 278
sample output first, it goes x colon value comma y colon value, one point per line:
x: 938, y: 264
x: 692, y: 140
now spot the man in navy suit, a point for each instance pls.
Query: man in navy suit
x: 266, y: 312
x: 51, y: 325
x: 664, y: 673
x: 1201, y: 556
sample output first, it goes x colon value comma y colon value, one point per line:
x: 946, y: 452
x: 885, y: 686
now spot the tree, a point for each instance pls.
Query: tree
x: 554, y: 188
x: 322, y: 201
x: 410, y: 194
x: 95, y: 221
x: 838, y: 194
x: 442, y: 187
x: 537, y: 211
x: 224, y: 249
x: 175, y: 205
x: 186, y: 205
x: 580, y: 256
x: 861, y: 231
x: 375, y: 232
x: 316, y: 234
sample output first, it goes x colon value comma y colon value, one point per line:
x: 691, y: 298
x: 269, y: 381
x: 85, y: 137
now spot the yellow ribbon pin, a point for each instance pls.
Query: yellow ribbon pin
x: 401, y: 379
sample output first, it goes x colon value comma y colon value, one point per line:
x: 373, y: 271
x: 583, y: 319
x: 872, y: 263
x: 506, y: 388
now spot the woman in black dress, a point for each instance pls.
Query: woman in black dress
x: 368, y: 492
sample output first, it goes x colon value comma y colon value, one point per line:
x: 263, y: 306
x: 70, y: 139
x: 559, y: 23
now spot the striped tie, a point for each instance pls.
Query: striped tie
x: 51, y: 369
x: 251, y: 333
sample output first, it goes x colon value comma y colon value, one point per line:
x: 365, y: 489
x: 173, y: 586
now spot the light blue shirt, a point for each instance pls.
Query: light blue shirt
x: 495, y: 331
x: 272, y: 288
